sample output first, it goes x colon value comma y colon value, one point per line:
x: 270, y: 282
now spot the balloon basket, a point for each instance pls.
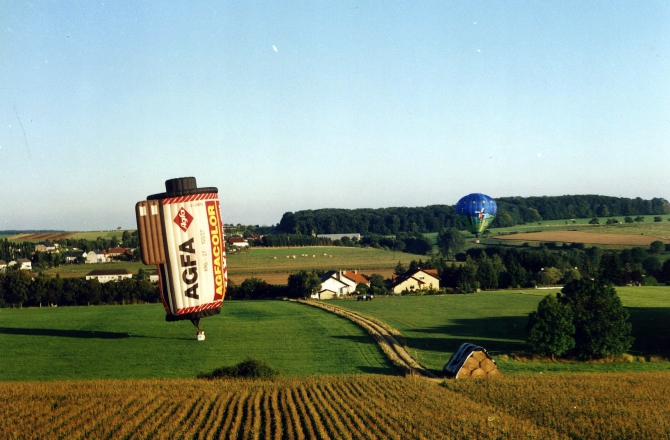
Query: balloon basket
x: 201, y: 336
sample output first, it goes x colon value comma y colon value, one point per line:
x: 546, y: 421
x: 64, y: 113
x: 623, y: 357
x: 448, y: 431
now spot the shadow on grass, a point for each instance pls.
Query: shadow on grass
x: 651, y: 330
x: 496, y: 334
x: 81, y: 334
x: 506, y: 334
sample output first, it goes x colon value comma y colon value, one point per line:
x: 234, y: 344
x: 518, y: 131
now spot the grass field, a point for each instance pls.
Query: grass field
x: 135, y: 342
x: 342, y: 407
x: 435, y: 326
x: 272, y: 265
x: 592, y: 237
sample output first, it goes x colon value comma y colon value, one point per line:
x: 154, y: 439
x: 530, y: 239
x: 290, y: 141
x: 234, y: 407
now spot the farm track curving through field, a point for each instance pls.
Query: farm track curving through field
x: 389, y: 339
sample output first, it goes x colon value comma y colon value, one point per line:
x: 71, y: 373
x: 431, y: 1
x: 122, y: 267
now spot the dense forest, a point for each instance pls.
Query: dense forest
x: 511, y: 211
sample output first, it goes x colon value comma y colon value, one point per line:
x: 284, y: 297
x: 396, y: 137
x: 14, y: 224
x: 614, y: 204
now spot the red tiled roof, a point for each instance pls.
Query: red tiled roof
x: 355, y: 277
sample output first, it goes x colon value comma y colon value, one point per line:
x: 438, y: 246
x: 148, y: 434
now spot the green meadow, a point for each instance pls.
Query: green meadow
x: 135, y: 342
x: 124, y: 342
x: 435, y: 326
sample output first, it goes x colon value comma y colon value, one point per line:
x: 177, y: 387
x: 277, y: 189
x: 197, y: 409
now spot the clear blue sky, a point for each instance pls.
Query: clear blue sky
x: 287, y: 106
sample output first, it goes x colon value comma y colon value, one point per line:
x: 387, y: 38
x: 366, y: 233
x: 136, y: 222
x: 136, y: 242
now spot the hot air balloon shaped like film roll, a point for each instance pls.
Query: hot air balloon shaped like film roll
x: 478, y: 211
x: 181, y: 232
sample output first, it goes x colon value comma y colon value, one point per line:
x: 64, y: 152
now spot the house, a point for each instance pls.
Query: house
x: 337, y: 283
x: 3, y: 266
x: 256, y: 236
x: 95, y: 256
x: 24, y: 264
x: 153, y: 276
x: 46, y: 246
x: 107, y: 275
x: 115, y: 253
x: 73, y: 256
x: 238, y: 242
x: 416, y: 279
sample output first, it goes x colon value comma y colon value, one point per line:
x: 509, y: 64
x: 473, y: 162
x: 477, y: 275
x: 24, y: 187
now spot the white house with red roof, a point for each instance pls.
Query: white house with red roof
x: 338, y: 283
x: 238, y: 242
x: 416, y: 279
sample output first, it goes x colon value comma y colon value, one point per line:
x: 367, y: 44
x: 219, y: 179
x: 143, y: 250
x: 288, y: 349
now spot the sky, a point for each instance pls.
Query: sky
x: 286, y: 106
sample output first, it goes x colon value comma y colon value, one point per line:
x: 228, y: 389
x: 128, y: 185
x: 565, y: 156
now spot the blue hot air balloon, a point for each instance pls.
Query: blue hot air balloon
x: 478, y: 211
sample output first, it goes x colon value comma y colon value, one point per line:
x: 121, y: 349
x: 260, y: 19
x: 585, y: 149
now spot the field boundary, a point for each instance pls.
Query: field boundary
x: 389, y: 339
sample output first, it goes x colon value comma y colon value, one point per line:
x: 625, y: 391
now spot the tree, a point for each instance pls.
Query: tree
x: 652, y: 266
x: 450, y: 241
x: 303, y: 284
x: 486, y: 273
x: 594, y: 221
x: 550, y: 330
x: 601, y: 322
x: 377, y: 285
x: 657, y: 247
x: 611, y: 269
x: 549, y: 276
x: 399, y: 269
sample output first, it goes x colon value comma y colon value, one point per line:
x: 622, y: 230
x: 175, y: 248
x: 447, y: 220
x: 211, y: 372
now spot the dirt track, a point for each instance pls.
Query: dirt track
x: 586, y: 237
x: 386, y: 337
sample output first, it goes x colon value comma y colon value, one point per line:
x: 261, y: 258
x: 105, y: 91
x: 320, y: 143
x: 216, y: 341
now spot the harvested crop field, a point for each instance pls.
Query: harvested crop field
x: 42, y: 236
x: 586, y: 237
x: 341, y: 407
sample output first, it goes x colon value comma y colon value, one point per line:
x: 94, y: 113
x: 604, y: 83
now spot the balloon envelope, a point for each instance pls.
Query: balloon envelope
x: 478, y: 211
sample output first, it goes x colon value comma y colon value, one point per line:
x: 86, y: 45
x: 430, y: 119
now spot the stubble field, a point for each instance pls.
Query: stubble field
x: 341, y: 407
x: 586, y: 238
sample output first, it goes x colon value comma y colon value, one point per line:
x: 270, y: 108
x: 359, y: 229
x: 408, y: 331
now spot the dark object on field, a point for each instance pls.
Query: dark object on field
x: 365, y: 298
x: 248, y: 368
x: 471, y: 360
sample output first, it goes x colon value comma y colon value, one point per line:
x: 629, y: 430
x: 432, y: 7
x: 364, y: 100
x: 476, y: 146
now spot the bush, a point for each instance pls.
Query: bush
x: 248, y: 368
x: 649, y: 281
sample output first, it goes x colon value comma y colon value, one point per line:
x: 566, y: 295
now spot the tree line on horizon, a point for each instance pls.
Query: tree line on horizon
x: 511, y: 211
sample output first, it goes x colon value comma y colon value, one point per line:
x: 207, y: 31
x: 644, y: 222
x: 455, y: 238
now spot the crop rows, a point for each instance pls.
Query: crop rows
x: 340, y: 407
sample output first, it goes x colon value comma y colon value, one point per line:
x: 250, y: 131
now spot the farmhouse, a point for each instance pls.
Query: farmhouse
x: 115, y: 253
x: 46, y: 246
x: 238, y: 242
x: 73, y: 256
x: 24, y: 264
x: 415, y: 279
x: 95, y: 256
x: 105, y: 276
x: 337, y: 283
